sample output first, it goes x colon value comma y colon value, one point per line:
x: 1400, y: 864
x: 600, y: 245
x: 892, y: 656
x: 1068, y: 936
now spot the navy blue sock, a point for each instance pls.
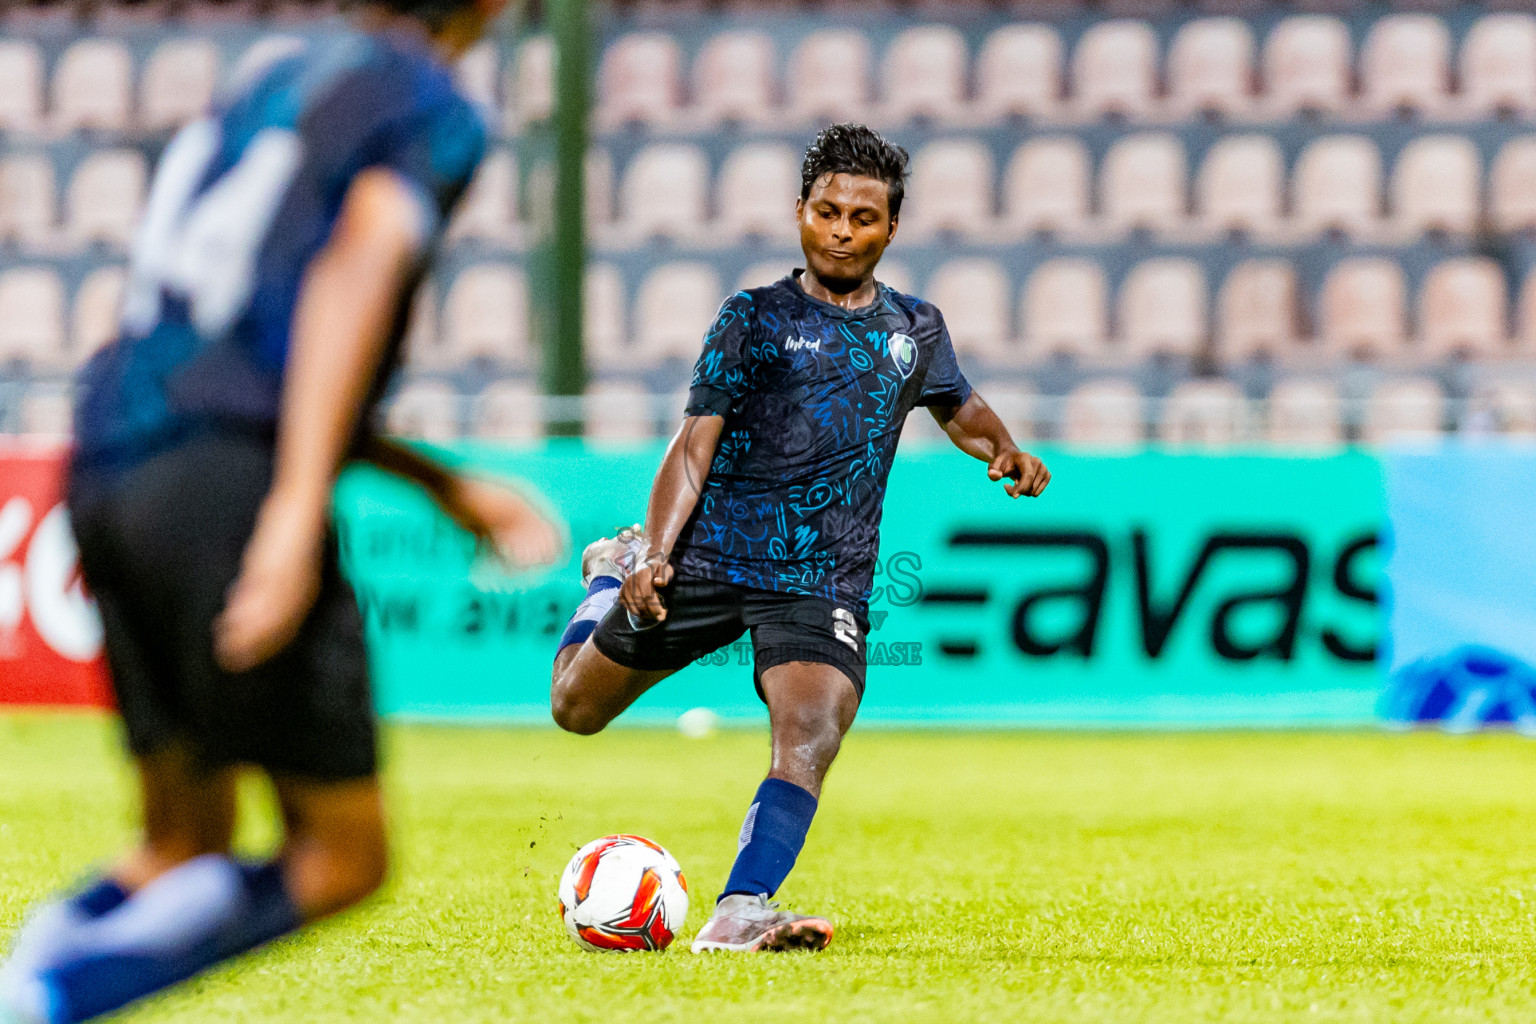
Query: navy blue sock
x: 602, y: 592
x: 99, y: 898
x: 207, y: 910
x: 771, y: 838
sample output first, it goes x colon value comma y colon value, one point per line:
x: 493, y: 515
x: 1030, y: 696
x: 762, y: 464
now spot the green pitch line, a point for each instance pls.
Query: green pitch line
x: 998, y: 877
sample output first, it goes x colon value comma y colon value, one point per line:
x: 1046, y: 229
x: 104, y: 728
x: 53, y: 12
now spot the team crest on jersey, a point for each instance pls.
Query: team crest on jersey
x: 904, y: 353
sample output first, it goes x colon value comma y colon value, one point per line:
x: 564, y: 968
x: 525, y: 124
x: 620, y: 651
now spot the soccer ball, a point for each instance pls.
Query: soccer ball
x: 623, y: 893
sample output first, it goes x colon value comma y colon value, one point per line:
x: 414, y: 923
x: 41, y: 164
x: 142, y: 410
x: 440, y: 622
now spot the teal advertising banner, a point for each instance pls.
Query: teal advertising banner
x: 1145, y: 590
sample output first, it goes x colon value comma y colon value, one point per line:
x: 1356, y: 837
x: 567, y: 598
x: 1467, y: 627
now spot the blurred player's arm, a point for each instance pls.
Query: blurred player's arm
x: 975, y: 429
x: 497, y: 516
x: 674, y: 493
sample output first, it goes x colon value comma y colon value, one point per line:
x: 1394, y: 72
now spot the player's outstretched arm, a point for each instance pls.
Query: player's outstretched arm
x: 341, y: 324
x: 675, y: 492
x: 500, y: 518
x: 976, y: 430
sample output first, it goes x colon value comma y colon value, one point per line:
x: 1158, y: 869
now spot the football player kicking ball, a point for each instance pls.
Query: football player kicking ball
x: 284, y: 235
x: 765, y: 513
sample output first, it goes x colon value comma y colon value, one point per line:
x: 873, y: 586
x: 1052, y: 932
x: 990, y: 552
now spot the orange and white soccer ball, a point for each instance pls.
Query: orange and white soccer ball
x: 623, y: 893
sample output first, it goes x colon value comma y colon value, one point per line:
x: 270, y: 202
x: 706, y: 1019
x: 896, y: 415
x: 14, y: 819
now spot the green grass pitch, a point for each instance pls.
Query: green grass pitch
x: 972, y: 877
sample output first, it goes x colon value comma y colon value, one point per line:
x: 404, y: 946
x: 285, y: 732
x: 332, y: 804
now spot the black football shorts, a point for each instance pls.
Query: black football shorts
x: 160, y: 545
x: 705, y: 615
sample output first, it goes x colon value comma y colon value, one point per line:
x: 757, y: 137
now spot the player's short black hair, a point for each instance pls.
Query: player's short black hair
x: 432, y: 13
x: 859, y: 150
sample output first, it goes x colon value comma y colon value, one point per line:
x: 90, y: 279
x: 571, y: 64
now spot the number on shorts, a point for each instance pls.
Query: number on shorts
x: 844, y: 628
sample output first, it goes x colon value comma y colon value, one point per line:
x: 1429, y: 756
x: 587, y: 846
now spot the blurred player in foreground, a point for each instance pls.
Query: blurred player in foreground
x: 284, y: 236
x: 765, y: 513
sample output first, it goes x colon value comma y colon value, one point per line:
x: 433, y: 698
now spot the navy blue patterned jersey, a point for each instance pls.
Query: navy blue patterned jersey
x: 241, y: 202
x: 814, y: 397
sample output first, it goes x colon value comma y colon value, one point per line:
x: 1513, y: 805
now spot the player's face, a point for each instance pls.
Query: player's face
x: 845, y: 225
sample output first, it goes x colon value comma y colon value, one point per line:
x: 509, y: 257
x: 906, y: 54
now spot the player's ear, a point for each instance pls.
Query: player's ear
x: 890, y: 236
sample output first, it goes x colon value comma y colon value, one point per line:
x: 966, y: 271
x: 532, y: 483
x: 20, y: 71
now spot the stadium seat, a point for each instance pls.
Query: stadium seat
x: 892, y: 273
x: 734, y: 79
x: 21, y: 86
x: 262, y: 54
x: 1464, y: 310
x: 1241, y: 186
x: 1106, y: 412
x: 1405, y: 64
x: 1498, y: 66
x: 829, y: 76
x: 951, y: 189
x: 92, y: 86
x: 1512, y: 186
x: 28, y: 198
x: 603, y: 319
x: 1065, y: 310
x: 619, y: 412
x: 1305, y: 413
x: 1018, y: 73
x: 1435, y: 186
x: 1337, y: 186
x: 973, y: 294
x: 531, y: 82
x: 1162, y: 309
x: 675, y: 306
x: 1256, y: 312
x: 478, y: 75
x: 765, y: 273
x: 1114, y: 70
x: 98, y: 303
x: 1307, y: 65
x: 425, y: 410
x: 925, y: 70
x: 1046, y: 188
x: 1504, y: 407
x: 639, y: 81
x: 1210, y: 68
x: 759, y: 183
x: 178, y: 83
x: 47, y: 414
x: 1362, y: 309
x: 508, y: 410
x: 664, y: 193
x: 1525, y: 313
x: 422, y: 347
x: 1143, y: 183
x: 31, y: 318
x: 1204, y: 413
x: 597, y: 183
x: 105, y: 197
x: 488, y: 210
x: 485, y: 316
x: 1409, y: 409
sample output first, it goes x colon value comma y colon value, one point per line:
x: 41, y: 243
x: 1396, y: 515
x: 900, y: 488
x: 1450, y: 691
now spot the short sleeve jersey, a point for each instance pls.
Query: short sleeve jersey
x: 241, y: 203
x: 814, y: 397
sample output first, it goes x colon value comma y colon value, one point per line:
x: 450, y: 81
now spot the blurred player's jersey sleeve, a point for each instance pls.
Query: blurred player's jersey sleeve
x: 723, y: 374
x: 944, y: 384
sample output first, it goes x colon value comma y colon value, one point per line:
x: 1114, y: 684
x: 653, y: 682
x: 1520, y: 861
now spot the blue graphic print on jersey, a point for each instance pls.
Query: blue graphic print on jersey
x: 814, y: 398
x: 242, y: 201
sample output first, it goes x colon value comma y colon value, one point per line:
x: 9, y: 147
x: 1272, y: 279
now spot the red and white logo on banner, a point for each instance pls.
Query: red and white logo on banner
x: 50, y: 635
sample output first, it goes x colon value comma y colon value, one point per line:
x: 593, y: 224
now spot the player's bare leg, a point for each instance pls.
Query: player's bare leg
x: 588, y: 689
x: 811, y: 706
x: 187, y: 811
x: 335, y: 851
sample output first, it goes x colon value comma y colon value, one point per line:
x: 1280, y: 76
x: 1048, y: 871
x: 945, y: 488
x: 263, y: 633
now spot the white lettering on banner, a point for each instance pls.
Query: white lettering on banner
x: 45, y: 583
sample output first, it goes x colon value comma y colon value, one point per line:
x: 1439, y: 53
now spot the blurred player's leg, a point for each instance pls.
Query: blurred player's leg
x: 335, y: 851
x: 811, y: 707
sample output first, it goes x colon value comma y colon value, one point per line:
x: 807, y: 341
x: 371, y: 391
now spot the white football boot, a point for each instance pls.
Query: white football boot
x: 613, y: 556
x: 750, y: 924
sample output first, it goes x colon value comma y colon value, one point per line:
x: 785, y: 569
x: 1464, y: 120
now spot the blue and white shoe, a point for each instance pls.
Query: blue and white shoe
x: 614, y: 556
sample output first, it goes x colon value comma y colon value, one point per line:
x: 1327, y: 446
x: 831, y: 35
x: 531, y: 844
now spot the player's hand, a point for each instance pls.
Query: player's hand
x: 278, y: 583
x: 504, y: 522
x: 1027, y: 474
x: 639, y: 595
